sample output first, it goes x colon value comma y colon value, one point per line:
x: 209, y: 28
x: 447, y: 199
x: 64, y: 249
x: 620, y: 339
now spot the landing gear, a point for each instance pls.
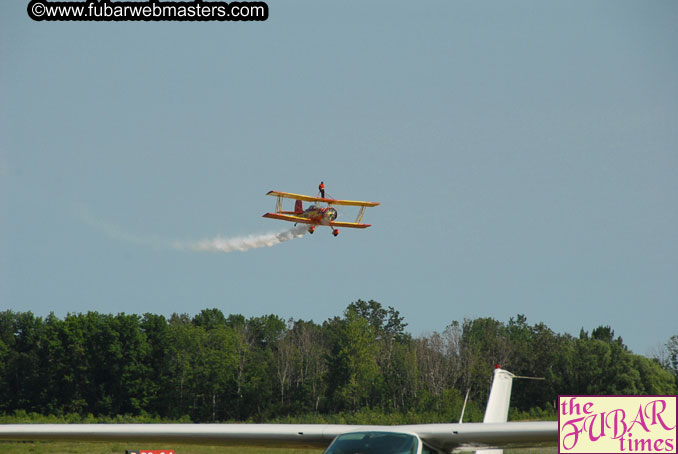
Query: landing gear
x: 311, y: 229
x: 335, y: 232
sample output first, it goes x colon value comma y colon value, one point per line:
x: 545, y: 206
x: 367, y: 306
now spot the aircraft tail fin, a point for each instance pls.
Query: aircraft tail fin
x: 500, y: 396
x: 298, y: 207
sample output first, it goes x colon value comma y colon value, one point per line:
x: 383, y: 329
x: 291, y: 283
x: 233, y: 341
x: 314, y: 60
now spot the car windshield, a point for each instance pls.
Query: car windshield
x: 373, y: 443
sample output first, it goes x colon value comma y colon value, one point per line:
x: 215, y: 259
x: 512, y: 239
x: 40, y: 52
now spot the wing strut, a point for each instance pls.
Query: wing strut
x: 278, y: 205
x: 360, y: 215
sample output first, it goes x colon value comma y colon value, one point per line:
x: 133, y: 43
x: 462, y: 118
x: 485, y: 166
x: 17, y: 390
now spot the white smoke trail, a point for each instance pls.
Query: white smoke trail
x: 241, y: 243
x: 117, y: 233
x: 217, y: 244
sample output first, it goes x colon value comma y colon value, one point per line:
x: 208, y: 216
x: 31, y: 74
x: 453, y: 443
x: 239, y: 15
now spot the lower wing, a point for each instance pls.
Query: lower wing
x: 350, y: 225
x: 289, y: 218
x: 443, y: 437
x: 302, y: 220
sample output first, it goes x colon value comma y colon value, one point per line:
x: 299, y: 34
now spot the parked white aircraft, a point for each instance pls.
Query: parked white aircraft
x: 493, y: 432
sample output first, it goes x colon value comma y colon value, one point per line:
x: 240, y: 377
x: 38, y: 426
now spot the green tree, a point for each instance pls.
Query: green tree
x: 286, y: 357
x: 213, y: 371
x: 312, y: 350
x: 653, y: 379
x: 672, y: 348
x: 7, y: 361
x: 26, y: 380
x: 606, y: 334
x: 353, y: 369
x: 209, y: 319
x: 213, y: 367
x: 484, y: 343
x: 185, y: 345
x: 132, y: 373
x: 158, y: 386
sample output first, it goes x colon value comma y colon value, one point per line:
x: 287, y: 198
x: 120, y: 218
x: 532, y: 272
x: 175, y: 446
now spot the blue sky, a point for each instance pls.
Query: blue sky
x: 524, y: 153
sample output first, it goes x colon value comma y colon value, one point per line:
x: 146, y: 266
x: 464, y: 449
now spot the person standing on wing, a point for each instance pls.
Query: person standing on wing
x: 321, y: 188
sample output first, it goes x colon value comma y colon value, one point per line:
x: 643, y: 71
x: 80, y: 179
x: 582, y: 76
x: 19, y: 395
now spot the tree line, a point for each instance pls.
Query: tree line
x: 212, y: 367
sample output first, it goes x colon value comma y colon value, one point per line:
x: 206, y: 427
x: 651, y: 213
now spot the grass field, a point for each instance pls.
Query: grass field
x: 11, y: 447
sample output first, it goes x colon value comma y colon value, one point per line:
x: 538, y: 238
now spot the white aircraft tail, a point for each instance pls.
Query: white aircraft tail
x: 500, y: 396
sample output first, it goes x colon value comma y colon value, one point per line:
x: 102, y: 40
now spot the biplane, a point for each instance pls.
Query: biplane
x: 315, y: 214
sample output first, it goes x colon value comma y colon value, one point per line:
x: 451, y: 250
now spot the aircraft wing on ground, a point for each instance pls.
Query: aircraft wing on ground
x: 445, y: 437
x: 283, y: 435
x: 494, y: 432
x: 448, y: 437
x: 306, y: 198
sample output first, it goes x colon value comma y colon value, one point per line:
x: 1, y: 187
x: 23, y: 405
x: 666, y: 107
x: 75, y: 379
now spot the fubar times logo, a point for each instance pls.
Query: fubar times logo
x: 617, y: 424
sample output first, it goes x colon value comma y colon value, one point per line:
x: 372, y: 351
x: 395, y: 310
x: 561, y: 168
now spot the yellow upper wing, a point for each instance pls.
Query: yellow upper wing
x: 306, y: 198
